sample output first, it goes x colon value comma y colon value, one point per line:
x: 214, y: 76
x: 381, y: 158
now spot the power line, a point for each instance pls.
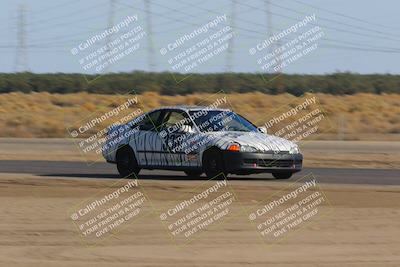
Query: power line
x: 184, y: 14
x: 198, y: 12
x: 344, y: 15
x: 47, y: 9
x: 46, y: 25
x: 209, y: 11
x: 352, y: 46
x: 62, y: 37
x: 328, y: 27
x: 385, y: 49
x: 337, y: 22
x: 69, y: 23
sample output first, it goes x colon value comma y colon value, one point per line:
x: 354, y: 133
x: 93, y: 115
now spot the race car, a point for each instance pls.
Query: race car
x: 199, y: 140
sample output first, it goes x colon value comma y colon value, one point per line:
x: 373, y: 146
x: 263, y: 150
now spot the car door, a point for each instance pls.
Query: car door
x: 147, y: 142
x: 177, y: 143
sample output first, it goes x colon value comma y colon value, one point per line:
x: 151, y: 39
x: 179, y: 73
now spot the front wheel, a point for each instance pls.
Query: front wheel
x: 213, y: 164
x: 282, y: 175
x: 126, y: 163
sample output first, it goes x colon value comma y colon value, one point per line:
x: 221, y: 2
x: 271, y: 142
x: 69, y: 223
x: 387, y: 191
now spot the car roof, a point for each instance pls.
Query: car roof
x: 191, y: 108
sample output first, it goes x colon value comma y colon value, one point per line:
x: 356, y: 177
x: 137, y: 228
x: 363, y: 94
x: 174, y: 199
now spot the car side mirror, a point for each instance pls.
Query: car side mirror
x: 262, y: 129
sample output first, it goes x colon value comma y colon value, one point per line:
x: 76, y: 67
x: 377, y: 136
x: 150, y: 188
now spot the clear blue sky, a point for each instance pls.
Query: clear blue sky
x: 361, y: 36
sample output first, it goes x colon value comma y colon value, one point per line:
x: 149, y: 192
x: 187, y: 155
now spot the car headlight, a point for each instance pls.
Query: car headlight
x: 245, y: 148
x: 294, y: 150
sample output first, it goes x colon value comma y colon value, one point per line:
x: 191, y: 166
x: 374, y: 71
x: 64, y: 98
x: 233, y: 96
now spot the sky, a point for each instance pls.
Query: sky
x: 357, y: 35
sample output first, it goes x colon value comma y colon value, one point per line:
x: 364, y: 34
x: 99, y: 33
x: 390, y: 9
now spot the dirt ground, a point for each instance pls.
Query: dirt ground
x: 328, y: 154
x: 360, y: 227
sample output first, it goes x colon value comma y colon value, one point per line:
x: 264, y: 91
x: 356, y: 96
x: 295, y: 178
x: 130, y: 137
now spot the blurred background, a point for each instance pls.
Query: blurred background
x: 353, y: 71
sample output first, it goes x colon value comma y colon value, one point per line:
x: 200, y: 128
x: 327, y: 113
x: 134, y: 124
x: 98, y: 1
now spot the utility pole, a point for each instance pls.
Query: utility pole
x: 229, y: 55
x: 21, y: 59
x: 149, y: 33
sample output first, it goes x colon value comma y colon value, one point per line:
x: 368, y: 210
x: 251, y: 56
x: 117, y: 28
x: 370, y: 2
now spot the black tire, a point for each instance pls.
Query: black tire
x: 126, y: 162
x: 194, y: 174
x: 213, y: 164
x: 282, y: 175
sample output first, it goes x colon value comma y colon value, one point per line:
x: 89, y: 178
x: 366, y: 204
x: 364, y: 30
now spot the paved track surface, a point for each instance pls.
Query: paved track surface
x: 105, y: 170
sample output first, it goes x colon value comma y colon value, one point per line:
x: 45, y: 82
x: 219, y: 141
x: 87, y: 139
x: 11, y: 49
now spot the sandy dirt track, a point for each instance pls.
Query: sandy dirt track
x: 335, y: 154
x: 361, y: 228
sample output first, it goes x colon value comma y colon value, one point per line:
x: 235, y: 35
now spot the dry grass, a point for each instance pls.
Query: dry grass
x: 48, y: 115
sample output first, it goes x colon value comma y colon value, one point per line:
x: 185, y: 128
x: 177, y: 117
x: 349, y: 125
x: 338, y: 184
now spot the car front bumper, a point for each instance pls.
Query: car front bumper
x: 249, y: 162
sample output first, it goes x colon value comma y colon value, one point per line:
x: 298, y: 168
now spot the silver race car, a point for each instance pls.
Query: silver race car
x: 199, y: 139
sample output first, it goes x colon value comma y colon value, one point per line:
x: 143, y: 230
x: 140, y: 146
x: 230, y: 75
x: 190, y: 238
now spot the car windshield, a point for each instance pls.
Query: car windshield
x: 221, y: 120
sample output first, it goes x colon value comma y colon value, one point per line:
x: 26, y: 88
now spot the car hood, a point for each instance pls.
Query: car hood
x: 259, y: 141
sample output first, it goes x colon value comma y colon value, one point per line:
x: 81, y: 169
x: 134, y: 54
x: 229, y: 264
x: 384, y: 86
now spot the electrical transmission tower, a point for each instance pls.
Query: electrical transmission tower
x: 273, y: 46
x: 270, y: 27
x: 110, y: 24
x: 149, y: 33
x: 21, y: 59
x: 229, y: 55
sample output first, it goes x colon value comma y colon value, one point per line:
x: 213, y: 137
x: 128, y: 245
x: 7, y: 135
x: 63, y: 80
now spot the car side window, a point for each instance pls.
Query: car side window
x: 174, y: 118
x: 150, y: 122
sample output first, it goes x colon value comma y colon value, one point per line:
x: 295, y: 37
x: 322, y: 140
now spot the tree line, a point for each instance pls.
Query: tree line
x: 167, y: 83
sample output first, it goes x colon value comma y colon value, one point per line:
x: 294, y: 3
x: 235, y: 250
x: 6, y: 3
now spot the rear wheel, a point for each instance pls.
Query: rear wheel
x: 282, y: 175
x: 194, y: 174
x: 213, y: 164
x: 126, y: 162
